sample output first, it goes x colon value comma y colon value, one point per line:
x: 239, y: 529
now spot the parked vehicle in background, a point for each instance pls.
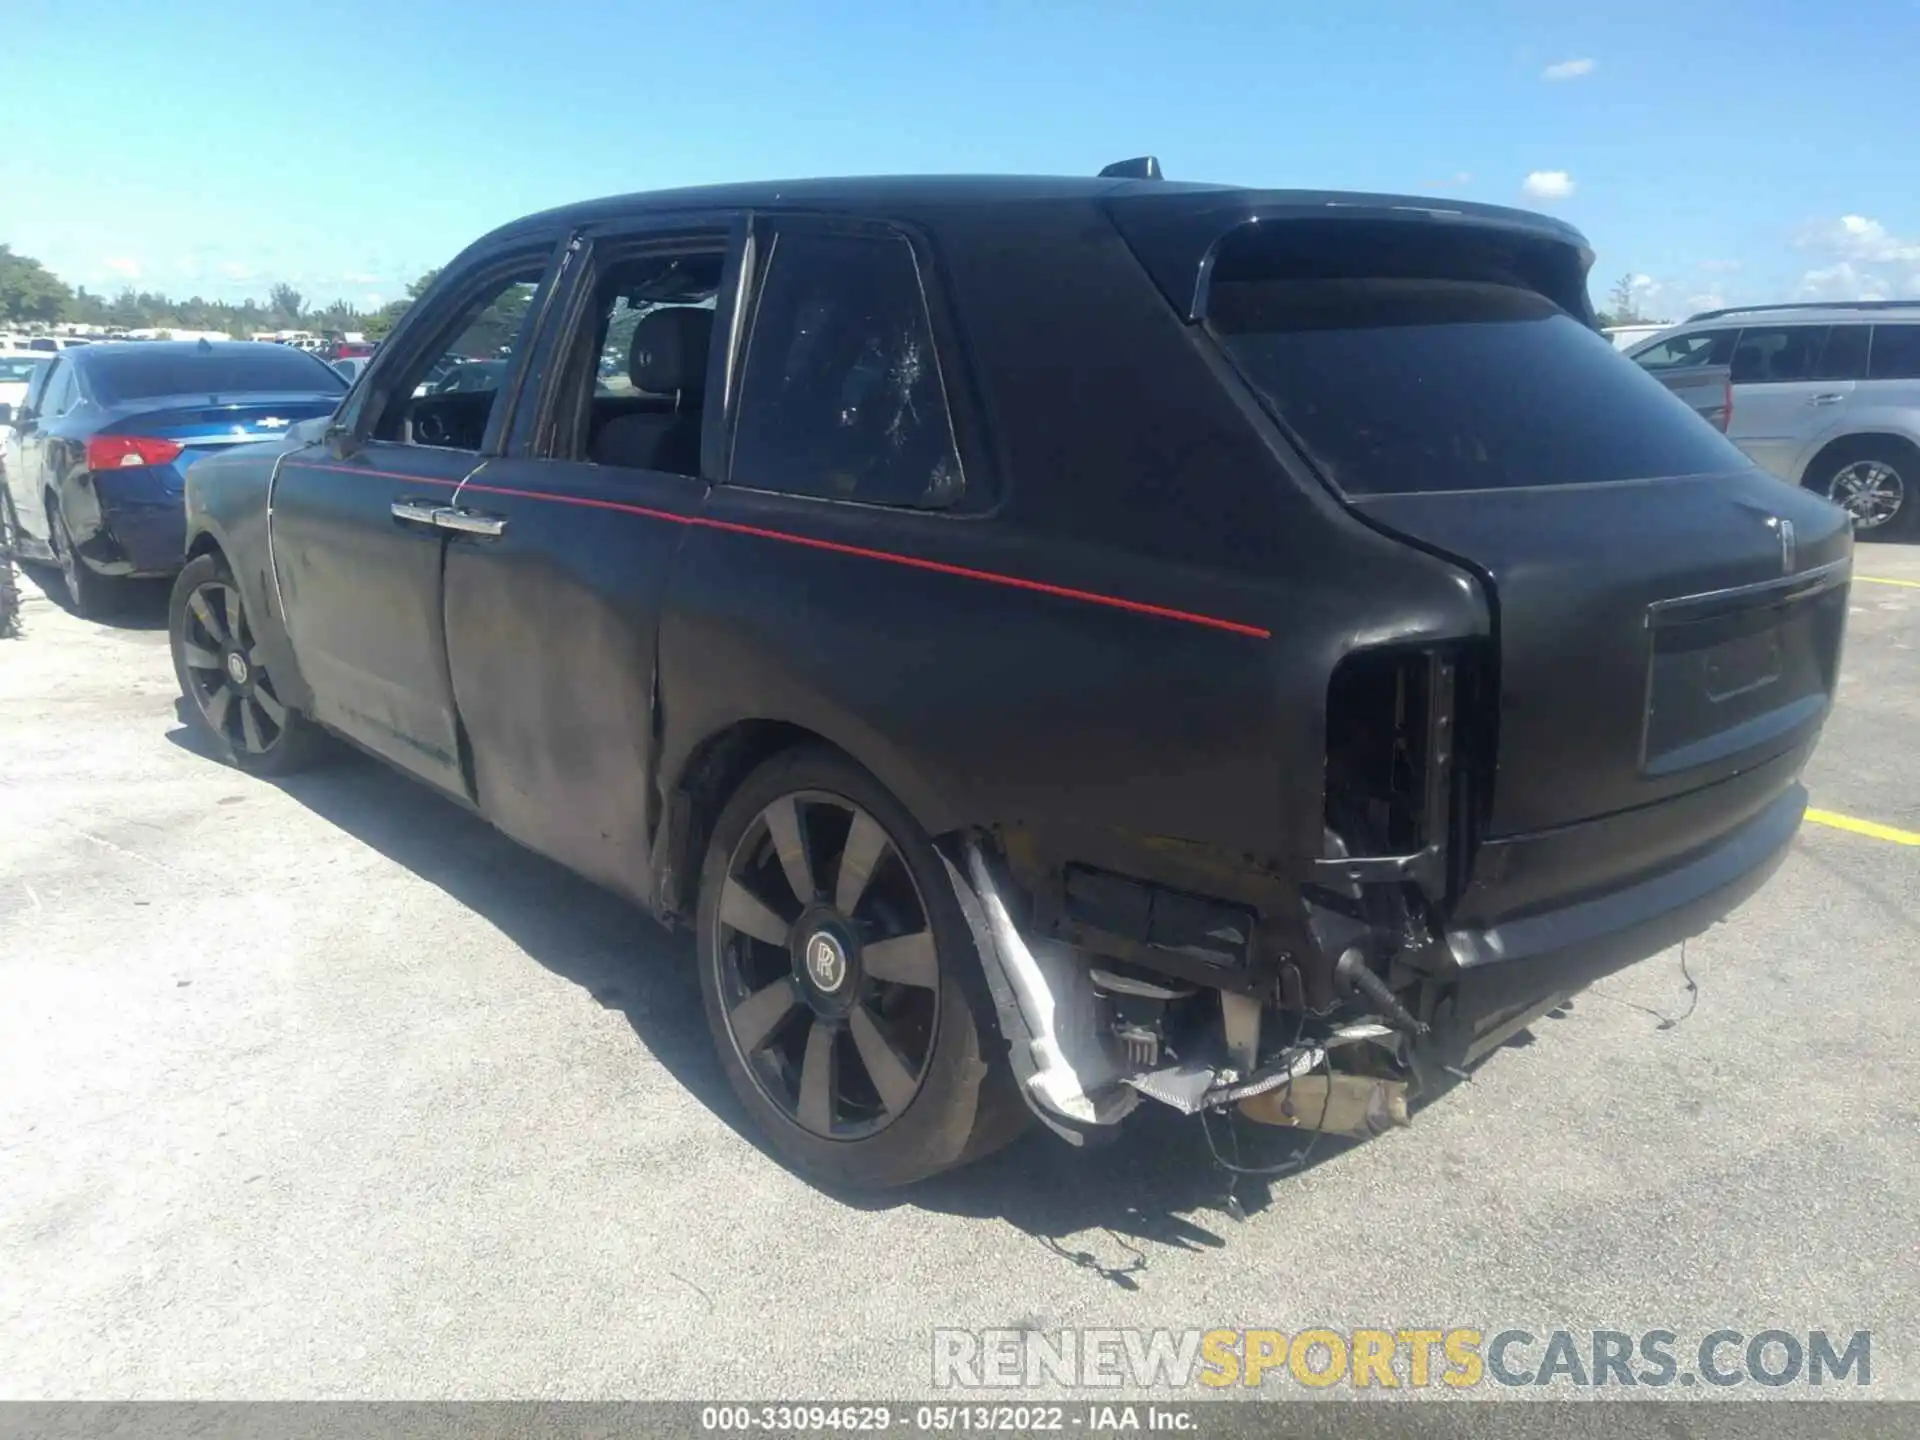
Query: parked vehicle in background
x: 1708, y: 389
x: 349, y: 367
x: 471, y: 377
x: 1825, y: 396
x: 97, y: 453
x: 1252, y: 651
x: 16, y: 374
x: 1625, y: 337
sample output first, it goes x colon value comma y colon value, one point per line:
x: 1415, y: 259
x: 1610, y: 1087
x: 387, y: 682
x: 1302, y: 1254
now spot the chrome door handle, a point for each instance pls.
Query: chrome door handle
x: 469, y: 522
x: 1827, y: 399
x: 414, y: 512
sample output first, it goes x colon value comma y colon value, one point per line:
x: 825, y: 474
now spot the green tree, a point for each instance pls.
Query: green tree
x: 1626, y: 310
x: 380, y: 324
x: 287, y: 305
x: 28, y: 290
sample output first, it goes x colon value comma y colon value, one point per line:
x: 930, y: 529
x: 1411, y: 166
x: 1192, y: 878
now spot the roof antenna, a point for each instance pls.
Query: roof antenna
x: 1141, y: 167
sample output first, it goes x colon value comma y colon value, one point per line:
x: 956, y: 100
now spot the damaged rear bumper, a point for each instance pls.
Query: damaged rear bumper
x: 1493, y: 980
x: 1507, y: 967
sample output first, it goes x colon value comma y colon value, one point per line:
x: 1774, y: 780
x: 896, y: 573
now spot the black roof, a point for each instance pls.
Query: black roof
x: 1173, y: 226
x: 921, y: 193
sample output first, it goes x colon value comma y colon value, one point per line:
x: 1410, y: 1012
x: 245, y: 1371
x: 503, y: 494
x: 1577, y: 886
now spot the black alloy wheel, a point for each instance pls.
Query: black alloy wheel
x: 222, y: 672
x: 840, y: 980
x: 828, y: 966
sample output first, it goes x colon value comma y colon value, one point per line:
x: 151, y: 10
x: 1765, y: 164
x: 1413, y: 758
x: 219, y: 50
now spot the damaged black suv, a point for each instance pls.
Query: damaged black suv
x: 1063, y: 644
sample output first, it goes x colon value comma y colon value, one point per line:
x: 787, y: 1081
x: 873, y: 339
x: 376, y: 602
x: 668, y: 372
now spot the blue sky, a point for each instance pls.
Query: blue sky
x: 1750, y: 151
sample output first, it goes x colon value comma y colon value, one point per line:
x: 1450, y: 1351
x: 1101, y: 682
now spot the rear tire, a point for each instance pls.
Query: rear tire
x: 1875, y: 481
x: 231, y: 697
x: 90, y: 594
x: 909, y: 1078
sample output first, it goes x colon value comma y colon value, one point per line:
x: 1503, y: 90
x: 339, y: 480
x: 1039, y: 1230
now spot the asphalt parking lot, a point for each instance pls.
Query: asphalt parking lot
x: 323, y: 1089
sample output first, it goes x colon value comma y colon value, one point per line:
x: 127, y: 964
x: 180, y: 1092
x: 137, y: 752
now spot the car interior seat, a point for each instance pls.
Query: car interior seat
x: 668, y: 357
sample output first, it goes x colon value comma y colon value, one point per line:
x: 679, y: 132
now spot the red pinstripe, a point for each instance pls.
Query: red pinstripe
x: 912, y: 562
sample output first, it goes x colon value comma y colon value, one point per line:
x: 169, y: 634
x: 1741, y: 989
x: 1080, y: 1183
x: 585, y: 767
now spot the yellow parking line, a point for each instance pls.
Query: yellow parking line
x: 1883, y: 580
x: 1863, y: 827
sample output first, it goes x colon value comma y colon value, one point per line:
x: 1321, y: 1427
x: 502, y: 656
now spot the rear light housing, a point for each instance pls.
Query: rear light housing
x: 115, y: 452
x: 1408, y: 765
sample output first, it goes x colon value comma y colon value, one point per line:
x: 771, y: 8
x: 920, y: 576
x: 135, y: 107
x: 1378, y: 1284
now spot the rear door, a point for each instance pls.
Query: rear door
x: 356, y: 545
x: 560, y: 550
x: 1665, y: 616
x: 1781, y: 403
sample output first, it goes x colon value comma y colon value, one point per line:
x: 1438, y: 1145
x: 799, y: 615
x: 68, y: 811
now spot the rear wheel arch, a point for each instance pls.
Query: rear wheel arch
x: 1829, y: 454
x: 206, y: 543
x: 714, y: 770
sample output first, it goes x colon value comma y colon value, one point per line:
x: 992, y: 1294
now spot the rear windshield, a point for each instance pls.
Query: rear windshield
x: 1408, y: 385
x: 128, y: 372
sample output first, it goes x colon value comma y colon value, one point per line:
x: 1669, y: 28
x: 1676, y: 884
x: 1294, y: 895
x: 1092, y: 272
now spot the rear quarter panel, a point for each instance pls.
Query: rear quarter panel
x: 1126, y: 465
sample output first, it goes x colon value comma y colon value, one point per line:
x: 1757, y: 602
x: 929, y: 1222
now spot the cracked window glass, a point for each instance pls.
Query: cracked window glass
x: 841, y: 395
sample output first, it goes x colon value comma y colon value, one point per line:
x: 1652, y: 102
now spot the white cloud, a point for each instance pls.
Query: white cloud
x: 1719, y: 267
x: 1547, y: 185
x: 1858, y: 238
x: 121, y: 265
x: 1568, y: 69
x: 356, y: 277
x: 1842, y: 281
x: 233, y: 270
x: 1865, y: 260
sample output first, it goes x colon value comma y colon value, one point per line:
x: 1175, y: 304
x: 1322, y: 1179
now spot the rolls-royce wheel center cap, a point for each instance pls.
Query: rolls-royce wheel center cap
x: 826, y: 962
x: 237, y: 667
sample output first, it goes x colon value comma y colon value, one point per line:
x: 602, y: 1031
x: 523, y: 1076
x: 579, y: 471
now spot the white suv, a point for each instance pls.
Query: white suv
x: 1825, y: 396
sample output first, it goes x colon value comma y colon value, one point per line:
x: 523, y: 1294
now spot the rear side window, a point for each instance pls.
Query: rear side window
x: 1404, y: 385
x: 61, y: 393
x: 1683, y: 352
x: 1844, y: 357
x: 134, y: 373
x: 841, y: 396
x: 1772, y: 354
x: 1896, y: 353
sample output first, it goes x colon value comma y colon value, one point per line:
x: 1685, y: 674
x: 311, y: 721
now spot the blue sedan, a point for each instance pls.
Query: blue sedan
x: 97, y: 453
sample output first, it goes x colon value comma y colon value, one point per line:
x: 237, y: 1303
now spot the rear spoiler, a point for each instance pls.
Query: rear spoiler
x: 1179, y: 237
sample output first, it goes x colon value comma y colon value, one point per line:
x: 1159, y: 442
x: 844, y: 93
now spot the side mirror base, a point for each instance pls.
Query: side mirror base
x: 341, y: 443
